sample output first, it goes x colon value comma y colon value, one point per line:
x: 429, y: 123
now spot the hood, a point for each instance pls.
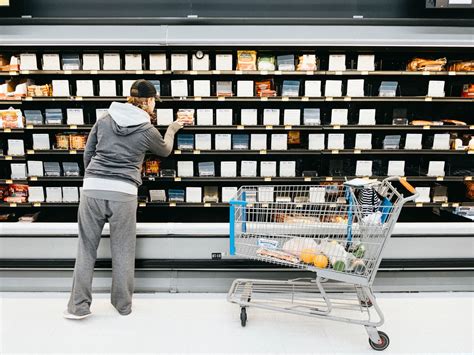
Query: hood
x: 128, y: 119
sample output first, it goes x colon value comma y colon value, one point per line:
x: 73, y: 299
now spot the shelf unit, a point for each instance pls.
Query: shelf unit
x: 390, y: 64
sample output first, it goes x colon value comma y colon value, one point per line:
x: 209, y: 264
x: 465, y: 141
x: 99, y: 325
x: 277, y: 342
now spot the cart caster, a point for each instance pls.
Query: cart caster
x: 384, y: 342
x: 243, y: 316
x: 367, y: 303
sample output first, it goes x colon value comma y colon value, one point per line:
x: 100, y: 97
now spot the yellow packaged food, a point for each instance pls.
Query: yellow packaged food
x: 246, y: 60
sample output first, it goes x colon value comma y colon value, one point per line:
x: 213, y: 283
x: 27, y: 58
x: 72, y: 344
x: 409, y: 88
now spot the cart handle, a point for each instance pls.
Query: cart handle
x: 407, y: 185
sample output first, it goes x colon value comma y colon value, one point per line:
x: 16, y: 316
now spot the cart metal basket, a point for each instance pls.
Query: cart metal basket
x: 337, y: 231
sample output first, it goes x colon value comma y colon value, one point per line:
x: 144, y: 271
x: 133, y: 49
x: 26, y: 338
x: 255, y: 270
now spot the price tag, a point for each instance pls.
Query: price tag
x: 335, y: 151
x: 365, y: 73
x: 268, y: 127
x: 7, y: 130
x: 37, y: 204
x: 471, y: 127
x: 439, y: 178
x: 426, y: 73
x: 68, y: 72
x: 310, y: 72
x: 8, y: 157
x: 239, y: 72
x: 13, y: 204
x: 30, y: 152
x: 263, y: 152
x: 29, y: 98
x: 158, y: 72
x: 207, y: 204
x: 13, y: 73
x: 452, y: 73
x: 468, y: 178
x: 197, y: 98
x: 177, y: 152
x: 285, y: 98
x: 428, y: 99
x: 338, y: 72
x: 9, y: 182
x: 142, y: 204
x: 347, y: 98
x: 25, y: 72
x: 30, y: 126
x: 426, y: 127
x: 264, y: 98
x: 288, y: 127
x: 240, y: 127
x: 217, y: 72
x: 278, y: 72
x: 221, y: 98
x: 264, y: 72
x: 307, y: 178
x: 456, y: 204
x: 197, y: 152
x: 328, y: 178
x: 78, y: 98
x: 305, y: 98
x: 329, y: 98
x: 33, y: 178
x: 139, y: 72
x: 193, y: 72
x: 73, y: 152
x: 419, y: 204
x: 177, y: 178
x: 470, y: 152
x: 172, y: 204
x: 94, y: 72
x: 444, y: 204
x: 336, y: 127
x: 73, y: 126
x: 267, y: 179
x: 357, y: 151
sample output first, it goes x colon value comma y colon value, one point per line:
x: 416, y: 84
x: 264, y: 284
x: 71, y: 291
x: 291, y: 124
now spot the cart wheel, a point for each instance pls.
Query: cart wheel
x: 243, y: 316
x: 384, y: 342
x: 367, y: 303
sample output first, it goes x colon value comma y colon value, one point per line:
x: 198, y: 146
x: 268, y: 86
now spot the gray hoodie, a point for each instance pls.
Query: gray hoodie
x: 116, y: 148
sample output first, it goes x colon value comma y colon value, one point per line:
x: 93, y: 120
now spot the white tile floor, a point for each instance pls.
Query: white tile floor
x: 206, y: 323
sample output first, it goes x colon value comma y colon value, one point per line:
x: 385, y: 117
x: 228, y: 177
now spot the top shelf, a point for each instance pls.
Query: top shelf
x: 235, y: 72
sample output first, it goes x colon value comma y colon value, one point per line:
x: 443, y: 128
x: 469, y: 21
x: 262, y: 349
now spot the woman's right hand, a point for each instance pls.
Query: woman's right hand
x: 185, y: 121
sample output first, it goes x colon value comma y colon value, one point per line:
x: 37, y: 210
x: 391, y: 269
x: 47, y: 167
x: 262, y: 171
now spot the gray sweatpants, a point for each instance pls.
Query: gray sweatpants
x: 93, y: 214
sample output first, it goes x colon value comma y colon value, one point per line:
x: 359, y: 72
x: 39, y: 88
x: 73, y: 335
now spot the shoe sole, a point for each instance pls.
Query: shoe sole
x: 74, y: 317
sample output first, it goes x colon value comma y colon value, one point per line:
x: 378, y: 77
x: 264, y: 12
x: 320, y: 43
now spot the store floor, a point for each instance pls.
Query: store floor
x: 206, y: 323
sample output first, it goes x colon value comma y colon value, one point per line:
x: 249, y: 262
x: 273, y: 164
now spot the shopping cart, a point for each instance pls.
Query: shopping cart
x: 337, y: 231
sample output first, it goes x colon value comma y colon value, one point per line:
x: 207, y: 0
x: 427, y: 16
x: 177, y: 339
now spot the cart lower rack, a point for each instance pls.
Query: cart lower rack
x: 337, y: 231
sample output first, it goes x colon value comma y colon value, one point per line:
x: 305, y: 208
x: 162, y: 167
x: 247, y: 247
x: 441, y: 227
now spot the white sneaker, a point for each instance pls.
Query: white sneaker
x: 68, y: 315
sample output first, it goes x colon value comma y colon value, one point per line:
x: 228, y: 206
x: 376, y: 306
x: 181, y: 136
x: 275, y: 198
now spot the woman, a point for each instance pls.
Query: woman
x: 113, y: 158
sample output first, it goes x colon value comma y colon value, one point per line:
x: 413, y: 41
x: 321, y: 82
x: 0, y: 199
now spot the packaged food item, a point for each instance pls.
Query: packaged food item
x: 77, y: 141
x: 286, y: 62
x: 211, y: 194
x: 9, y: 65
x: 52, y: 169
x: 296, y: 245
x: 246, y: 60
x: 468, y: 90
x: 62, y: 141
x: 266, y: 63
x: 467, y: 65
x: 425, y: 123
x: 294, y: 137
x: 454, y: 122
x: 11, y: 118
x: 307, y: 62
x: 54, y: 116
x: 17, y: 193
x: 33, y: 117
x: 71, y: 169
x: 39, y: 90
x: 265, y: 88
x: 291, y: 88
x: 152, y: 167
x: 186, y: 113
x: 278, y: 255
x: 421, y: 64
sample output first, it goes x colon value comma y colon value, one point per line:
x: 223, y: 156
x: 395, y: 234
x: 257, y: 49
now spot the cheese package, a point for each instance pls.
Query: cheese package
x: 179, y: 61
x: 133, y: 61
x: 18, y: 171
x: 158, y: 61
x: 28, y: 61
x: 266, y: 63
x: 54, y: 194
x: 61, y: 88
x: 164, y: 116
x: 228, y: 168
x: 224, y: 88
x: 51, y: 62
x: 307, y: 62
x: 246, y: 60
x: 224, y: 62
x: 200, y: 61
x: 90, y: 61
x: 111, y: 61
x: 11, y: 118
x: 70, y: 194
x: 228, y: 193
x: 84, y: 88
x: 107, y: 88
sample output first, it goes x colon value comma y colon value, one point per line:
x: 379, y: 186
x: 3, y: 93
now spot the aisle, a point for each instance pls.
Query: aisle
x: 206, y: 323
